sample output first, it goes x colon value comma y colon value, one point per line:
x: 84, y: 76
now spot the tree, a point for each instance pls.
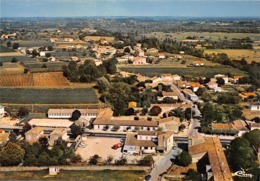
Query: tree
x: 44, y: 142
x: 253, y: 137
x: 1, y: 64
x: 129, y: 111
x: 144, y: 111
x: 182, y: 127
x: 109, y: 160
x: 241, y: 154
x: 155, y: 111
x: 35, y: 53
x: 122, y: 161
x: 11, y: 154
x: 184, y: 159
x: 220, y: 81
x: 14, y: 60
x: 76, y: 130
x: 8, y: 44
x: 50, y: 48
x: 188, y: 113
x: 201, y: 91
x: 102, y: 84
x: 169, y: 100
x: 16, y: 45
x: 44, y: 65
x: 23, y: 112
x: 193, y: 175
x: 12, y: 136
x: 75, y: 115
x: 48, y: 55
x: 94, y: 160
x: 127, y: 50
x: 147, y: 161
x: 75, y: 158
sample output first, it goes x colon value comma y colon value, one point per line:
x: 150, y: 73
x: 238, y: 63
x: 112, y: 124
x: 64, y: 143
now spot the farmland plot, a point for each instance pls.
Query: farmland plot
x: 48, y: 96
x: 52, y: 79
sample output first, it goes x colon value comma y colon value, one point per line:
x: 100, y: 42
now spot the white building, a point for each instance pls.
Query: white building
x: 2, y: 111
x: 67, y: 113
x: 255, y: 106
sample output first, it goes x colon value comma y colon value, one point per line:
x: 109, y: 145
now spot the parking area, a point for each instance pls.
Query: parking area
x: 100, y: 146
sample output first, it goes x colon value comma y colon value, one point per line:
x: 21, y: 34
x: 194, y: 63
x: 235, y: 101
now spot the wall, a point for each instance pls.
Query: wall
x: 105, y: 167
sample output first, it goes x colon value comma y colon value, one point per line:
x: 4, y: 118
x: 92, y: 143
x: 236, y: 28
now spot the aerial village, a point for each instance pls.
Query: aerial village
x: 111, y: 107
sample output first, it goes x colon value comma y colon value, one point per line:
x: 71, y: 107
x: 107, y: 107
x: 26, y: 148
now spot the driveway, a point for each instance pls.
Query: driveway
x: 100, y: 146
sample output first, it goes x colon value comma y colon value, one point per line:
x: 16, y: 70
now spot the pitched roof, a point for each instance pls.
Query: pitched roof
x: 132, y: 140
x: 222, y: 126
x: 63, y: 123
x: 35, y: 130
x: 217, y: 158
x: 70, y: 111
x: 168, y: 94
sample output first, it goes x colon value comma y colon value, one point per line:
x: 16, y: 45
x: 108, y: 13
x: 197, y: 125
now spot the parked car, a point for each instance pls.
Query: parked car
x: 117, y: 145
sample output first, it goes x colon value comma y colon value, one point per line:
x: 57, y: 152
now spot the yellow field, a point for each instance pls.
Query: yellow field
x: 51, y: 79
x: 249, y: 55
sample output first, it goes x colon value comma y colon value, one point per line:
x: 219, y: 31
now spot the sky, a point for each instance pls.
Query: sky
x: 176, y: 8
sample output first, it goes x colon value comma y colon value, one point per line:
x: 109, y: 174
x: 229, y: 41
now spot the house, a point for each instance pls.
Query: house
x: 217, y: 89
x: 253, y: 126
x: 173, y: 95
x: 67, y: 113
x: 195, y: 86
x: 197, y: 63
x: 148, y: 142
x: 246, y: 95
x: 2, y: 111
x: 161, y: 55
x: 176, y: 77
x: 236, y: 78
x: 51, y: 123
x: 34, y: 134
x: 210, y: 148
x: 4, y: 137
x: 212, y: 85
x: 105, y: 121
x: 255, y: 106
x: 68, y: 39
x: 188, y: 93
x: 98, y: 62
x: 74, y: 58
x: 58, y: 133
x: 132, y: 104
x: 52, y: 59
x: 183, y: 84
x: 177, y: 56
x: 139, y: 61
x: 222, y: 76
x: 152, y: 50
x: 170, y: 124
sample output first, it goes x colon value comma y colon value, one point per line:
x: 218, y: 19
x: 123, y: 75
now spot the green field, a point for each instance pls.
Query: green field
x: 48, y: 96
x: 189, y: 71
x: 4, y: 49
x: 106, y: 175
x: 215, y: 36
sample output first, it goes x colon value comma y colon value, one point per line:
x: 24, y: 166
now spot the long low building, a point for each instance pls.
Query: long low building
x: 67, y: 113
x: 51, y: 123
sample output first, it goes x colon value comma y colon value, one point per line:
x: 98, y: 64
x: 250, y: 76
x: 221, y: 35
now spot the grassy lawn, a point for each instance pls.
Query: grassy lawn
x: 108, y: 175
x: 189, y: 71
x: 249, y: 55
x: 48, y: 96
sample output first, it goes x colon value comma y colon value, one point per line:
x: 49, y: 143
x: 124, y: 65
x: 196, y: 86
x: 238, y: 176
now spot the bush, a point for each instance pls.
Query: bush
x: 122, y: 161
x: 147, y: 161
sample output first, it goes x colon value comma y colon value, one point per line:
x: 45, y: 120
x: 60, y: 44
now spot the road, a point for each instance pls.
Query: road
x: 194, y: 122
x: 164, y: 164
